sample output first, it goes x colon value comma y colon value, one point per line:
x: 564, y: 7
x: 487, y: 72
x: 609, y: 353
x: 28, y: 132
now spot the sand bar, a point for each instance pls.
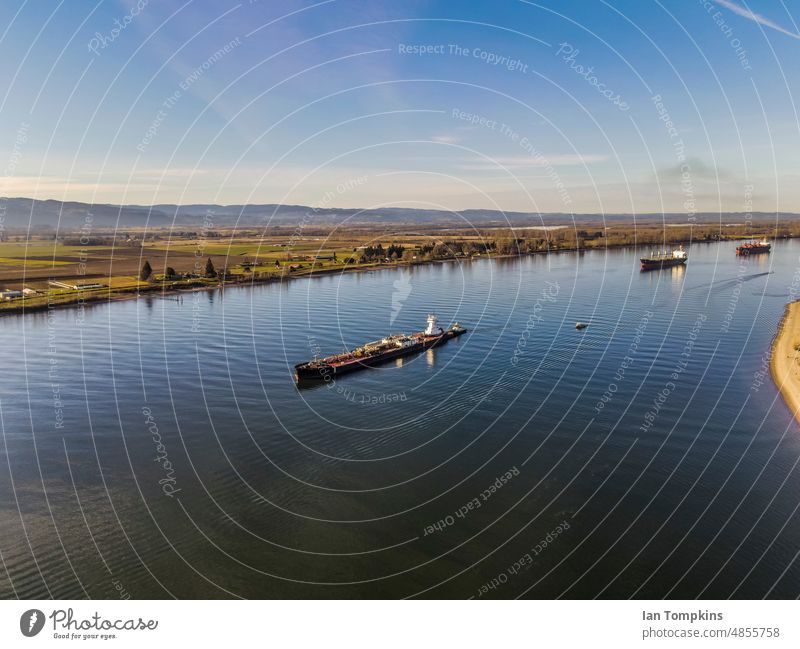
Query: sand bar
x: 785, y: 361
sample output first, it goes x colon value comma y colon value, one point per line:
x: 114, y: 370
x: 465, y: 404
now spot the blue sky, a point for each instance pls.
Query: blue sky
x: 526, y: 106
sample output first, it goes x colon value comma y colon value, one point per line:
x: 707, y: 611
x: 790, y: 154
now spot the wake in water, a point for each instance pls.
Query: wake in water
x: 728, y: 283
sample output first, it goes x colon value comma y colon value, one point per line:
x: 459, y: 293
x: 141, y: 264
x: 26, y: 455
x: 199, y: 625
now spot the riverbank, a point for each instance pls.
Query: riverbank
x: 80, y: 299
x: 96, y: 297
x: 784, y: 363
x: 164, y: 288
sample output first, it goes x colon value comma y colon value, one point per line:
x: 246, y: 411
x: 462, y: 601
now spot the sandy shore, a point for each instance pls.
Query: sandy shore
x: 785, y: 361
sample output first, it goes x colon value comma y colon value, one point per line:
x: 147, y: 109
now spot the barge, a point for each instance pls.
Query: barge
x: 377, y: 352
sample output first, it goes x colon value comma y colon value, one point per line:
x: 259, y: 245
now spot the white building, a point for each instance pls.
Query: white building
x: 74, y: 287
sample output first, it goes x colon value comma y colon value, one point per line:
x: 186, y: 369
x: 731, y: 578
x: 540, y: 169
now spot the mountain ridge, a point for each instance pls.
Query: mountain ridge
x: 23, y: 212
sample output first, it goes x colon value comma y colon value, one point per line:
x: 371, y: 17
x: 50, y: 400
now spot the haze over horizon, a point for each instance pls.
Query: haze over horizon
x: 516, y: 106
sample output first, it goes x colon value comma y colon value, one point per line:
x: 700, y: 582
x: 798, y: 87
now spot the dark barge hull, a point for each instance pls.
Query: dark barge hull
x: 655, y: 264
x: 754, y: 250
x: 324, y: 372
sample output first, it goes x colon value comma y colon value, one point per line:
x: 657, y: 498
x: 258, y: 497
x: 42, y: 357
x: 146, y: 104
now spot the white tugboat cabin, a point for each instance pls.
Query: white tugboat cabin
x: 432, y: 329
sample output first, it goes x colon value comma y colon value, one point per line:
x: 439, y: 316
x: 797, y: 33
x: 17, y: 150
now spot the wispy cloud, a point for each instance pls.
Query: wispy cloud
x: 761, y: 20
x: 446, y: 139
x: 527, y: 162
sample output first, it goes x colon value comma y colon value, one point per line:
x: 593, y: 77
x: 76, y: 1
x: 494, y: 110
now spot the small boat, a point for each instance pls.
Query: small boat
x: 581, y: 325
x: 664, y: 259
x: 753, y: 248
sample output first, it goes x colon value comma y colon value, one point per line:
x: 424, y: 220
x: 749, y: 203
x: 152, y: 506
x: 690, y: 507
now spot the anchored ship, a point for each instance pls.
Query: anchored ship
x: 753, y: 248
x: 377, y: 352
x: 664, y: 259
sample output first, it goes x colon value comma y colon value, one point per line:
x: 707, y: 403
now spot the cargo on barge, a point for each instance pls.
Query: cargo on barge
x: 377, y: 352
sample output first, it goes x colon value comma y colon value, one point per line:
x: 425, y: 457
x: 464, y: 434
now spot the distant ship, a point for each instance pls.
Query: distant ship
x: 753, y: 248
x: 377, y: 352
x: 664, y: 259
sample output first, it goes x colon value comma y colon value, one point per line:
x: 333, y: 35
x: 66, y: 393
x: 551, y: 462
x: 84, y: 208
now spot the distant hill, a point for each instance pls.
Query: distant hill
x: 24, y: 213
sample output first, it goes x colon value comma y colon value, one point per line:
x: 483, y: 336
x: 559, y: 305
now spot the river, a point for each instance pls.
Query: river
x: 159, y: 448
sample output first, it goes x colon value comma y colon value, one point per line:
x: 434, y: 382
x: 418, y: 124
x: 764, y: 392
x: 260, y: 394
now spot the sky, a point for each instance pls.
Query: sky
x: 613, y: 107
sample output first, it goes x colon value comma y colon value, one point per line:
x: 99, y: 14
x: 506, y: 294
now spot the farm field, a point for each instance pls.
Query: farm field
x: 178, y: 261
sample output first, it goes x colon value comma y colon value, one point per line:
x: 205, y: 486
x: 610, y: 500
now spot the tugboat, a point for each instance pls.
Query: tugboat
x: 753, y: 248
x: 664, y: 259
x: 377, y: 352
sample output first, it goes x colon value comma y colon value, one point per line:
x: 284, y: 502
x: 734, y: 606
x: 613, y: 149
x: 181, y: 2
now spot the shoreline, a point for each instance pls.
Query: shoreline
x: 159, y: 292
x: 121, y: 295
x: 785, y: 358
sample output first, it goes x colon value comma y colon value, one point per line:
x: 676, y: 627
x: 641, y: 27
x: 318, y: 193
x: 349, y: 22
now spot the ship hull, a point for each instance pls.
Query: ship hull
x: 655, y: 264
x: 322, y: 371
x: 752, y: 250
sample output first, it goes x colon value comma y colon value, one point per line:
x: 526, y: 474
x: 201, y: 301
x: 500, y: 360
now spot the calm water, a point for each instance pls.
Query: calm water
x: 159, y: 448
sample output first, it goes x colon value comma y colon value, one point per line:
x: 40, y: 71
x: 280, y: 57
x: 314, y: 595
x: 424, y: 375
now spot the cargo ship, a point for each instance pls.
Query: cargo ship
x: 753, y: 248
x: 664, y: 259
x: 377, y: 352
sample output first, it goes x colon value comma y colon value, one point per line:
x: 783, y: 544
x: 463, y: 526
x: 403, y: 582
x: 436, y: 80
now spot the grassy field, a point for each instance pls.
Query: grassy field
x: 32, y: 263
x: 242, y: 257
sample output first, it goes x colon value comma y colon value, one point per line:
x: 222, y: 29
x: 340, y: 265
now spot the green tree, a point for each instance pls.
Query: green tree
x: 146, y: 271
x: 170, y: 272
x: 210, y: 272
